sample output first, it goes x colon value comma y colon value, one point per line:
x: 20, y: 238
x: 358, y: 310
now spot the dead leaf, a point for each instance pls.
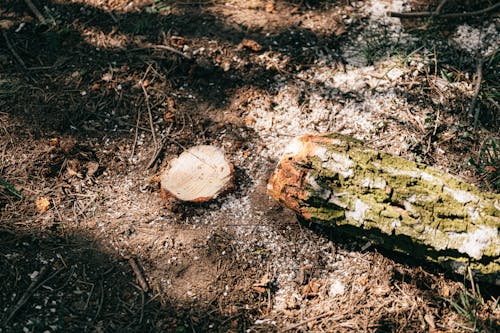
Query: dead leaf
x: 490, y: 168
x: 429, y: 319
x: 363, y: 280
x: 6, y: 24
x: 291, y: 302
x: 107, y: 77
x: 154, y: 178
x: 96, y: 86
x: 169, y: 116
x: 381, y: 290
x: 73, y: 168
x: 226, y: 66
x: 92, y: 168
x: 67, y: 145
x: 171, y: 104
x: 145, y: 83
x: 250, y: 44
x: 304, y: 274
x: 91, y: 224
x: 179, y: 41
x: 54, y: 142
x: 249, y: 121
x: 340, y: 30
x: 445, y: 292
x: 262, y: 285
x: 42, y: 204
x: 311, y: 289
x: 270, y: 7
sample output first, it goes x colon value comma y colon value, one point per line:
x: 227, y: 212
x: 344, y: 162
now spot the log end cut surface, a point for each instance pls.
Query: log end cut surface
x: 199, y: 174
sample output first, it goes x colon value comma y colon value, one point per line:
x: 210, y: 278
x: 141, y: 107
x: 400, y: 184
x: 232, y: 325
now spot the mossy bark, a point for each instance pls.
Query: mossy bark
x: 397, y: 204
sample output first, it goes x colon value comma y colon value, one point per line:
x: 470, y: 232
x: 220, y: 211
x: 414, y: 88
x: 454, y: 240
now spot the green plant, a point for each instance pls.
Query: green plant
x: 490, y: 90
x: 487, y: 162
x: 159, y: 6
x: 376, y: 46
x: 10, y: 188
x: 473, y: 310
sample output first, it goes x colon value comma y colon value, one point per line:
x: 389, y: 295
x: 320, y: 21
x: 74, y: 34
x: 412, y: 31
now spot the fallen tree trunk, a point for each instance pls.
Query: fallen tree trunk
x: 397, y: 204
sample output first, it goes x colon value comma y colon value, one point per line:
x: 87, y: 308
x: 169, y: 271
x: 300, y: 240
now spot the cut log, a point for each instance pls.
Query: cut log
x: 397, y: 204
x: 199, y: 174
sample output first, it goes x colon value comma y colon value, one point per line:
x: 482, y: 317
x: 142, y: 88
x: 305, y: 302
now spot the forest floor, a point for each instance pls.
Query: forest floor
x: 96, y: 96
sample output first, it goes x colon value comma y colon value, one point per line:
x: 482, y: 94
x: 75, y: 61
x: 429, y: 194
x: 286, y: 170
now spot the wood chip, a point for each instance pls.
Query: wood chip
x: 250, y: 44
x: 42, y: 204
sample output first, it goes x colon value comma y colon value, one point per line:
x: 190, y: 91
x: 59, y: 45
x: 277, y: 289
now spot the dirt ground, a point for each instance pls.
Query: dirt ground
x: 96, y: 96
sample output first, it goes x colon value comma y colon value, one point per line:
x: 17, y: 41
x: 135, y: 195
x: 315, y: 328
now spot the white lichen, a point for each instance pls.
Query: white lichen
x: 340, y: 163
x: 358, y: 214
x: 460, y: 195
x: 475, y: 242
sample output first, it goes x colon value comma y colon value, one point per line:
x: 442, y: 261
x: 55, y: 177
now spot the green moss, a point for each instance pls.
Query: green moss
x: 327, y: 214
x: 453, y: 225
x: 416, y: 213
x: 391, y: 212
x: 489, y: 208
x: 449, y: 210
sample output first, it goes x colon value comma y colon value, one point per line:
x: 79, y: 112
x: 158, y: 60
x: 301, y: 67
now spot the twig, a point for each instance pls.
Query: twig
x: 477, y: 89
x: 115, y: 19
x: 35, y: 284
x: 138, y: 274
x: 162, y: 47
x: 440, y: 6
x: 35, y: 11
x: 445, y: 15
x: 494, y: 102
x: 471, y: 278
x: 323, y: 315
x: 101, y: 301
x: 142, y: 308
x: 12, y: 50
x: 136, y: 133
x: 159, y: 148
x: 150, y: 115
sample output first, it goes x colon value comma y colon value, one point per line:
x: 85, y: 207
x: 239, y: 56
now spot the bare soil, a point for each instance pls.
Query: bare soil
x: 96, y: 100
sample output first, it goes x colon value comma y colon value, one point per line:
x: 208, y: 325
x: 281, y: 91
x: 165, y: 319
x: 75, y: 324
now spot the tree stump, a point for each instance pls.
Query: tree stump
x: 395, y: 203
x: 199, y: 174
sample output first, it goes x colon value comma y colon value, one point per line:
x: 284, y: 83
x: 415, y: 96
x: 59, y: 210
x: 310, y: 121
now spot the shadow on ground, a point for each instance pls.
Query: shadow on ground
x: 71, y: 284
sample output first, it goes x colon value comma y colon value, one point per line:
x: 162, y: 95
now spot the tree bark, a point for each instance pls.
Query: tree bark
x: 392, y: 202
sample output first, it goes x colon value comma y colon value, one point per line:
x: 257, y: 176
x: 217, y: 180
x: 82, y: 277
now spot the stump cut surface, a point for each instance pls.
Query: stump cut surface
x: 199, y: 174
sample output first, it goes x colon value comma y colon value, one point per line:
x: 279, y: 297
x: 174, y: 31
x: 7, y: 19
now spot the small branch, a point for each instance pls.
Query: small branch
x: 163, y: 47
x: 150, y: 115
x: 323, y: 315
x: 138, y: 274
x: 12, y: 50
x: 440, y: 6
x: 35, y: 284
x: 477, y: 89
x: 159, y: 148
x: 35, y: 11
x: 445, y: 15
x: 136, y: 133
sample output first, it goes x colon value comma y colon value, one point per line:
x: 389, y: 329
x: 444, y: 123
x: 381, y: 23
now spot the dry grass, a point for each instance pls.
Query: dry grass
x: 75, y: 130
